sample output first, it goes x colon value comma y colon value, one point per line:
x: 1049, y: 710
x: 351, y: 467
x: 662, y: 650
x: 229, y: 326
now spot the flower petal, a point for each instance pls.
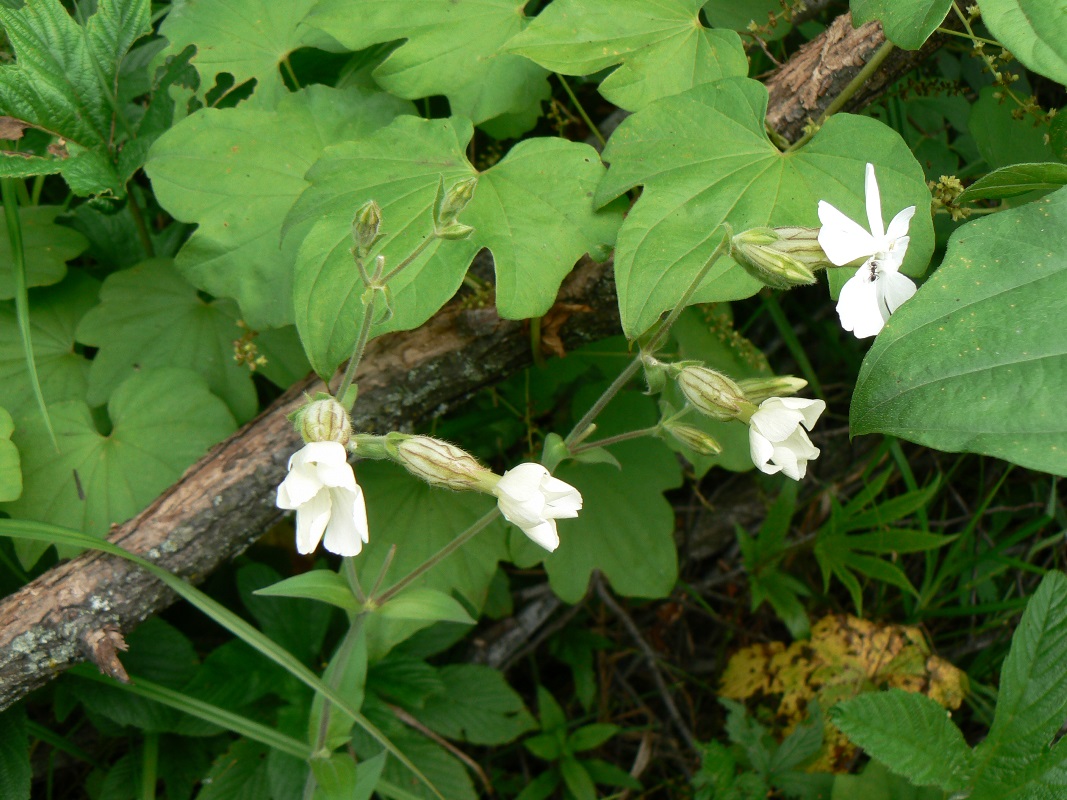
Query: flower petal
x: 894, y: 288
x: 775, y: 423
x: 858, y: 305
x: 761, y: 451
x: 788, y: 462
x: 312, y: 518
x: 841, y: 239
x: 898, y: 228
x: 543, y: 534
x: 874, y: 205
x: 347, y: 530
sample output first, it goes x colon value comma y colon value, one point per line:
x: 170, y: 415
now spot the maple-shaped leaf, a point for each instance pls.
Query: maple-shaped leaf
x: 659, y: 48
x: 721, y: 167
x: 248, y: 39
x: 47, y: 248
x: 68, y: 80
x: 532, y: 209
x: 452, y: 48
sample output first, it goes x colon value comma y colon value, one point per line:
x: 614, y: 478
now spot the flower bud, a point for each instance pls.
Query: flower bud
x: 441, y: 464
x: 365, y: 227
x: 711, y: 392
x: 698, y: 441
x: 449, y: 204
x: 779, y: 257
x: 456, y: 230
x: 324, y: 420
x: 759, y: 389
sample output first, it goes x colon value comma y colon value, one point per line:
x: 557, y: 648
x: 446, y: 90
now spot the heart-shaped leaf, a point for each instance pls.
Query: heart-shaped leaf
x: 907, y: 23
x: 47, y: 246
x: 1033, y: 31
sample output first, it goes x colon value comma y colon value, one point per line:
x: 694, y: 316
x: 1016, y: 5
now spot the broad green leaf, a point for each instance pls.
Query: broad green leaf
x: 450, y: 48
x: 335, y: 774
x: 54, y: 314
x: 68, y: 81
x: 162, y: 421
x: 245, y: 38
x: 972, y: 363
x: 48, y: 248
x: 240, y: 773
x: 297, y: 624
x: 347, y: 671
x: 907, y: 23
x: 590, y: 737
x: 577, y: 780
x: 708, y: 335
x: 532, y: 209
x: 626, y: 528
x: 719, y: 167
x: 1002, y: 139
x: 16, y: 775
x: 10, y: 470
x: 909, y: 733
x: 149, y: 316
x: 1033, y: 31
x: 419, y: 520
x: 802, y: 744
x: 236, y: 172
x: 659, y: 48
x: 738, y: 15
x: 428, y: 605
x: 476, y: 705
x: 1032, y: 700
x: 323, y: 585
x: 876, y: 782
x: 1016, y: 179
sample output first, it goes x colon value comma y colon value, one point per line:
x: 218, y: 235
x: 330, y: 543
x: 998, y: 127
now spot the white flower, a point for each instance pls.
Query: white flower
x: 776, y: 441
x: 532, y: 499
x: 322, y: 488
x: 877, y: 289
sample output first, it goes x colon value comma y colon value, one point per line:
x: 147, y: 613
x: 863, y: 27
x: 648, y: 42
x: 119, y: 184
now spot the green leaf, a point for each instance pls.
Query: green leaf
x: 1033, y: 31
x: 876, y: 782
x: 249, y: 39
x: 971, y: 362
x: 16, y: 775
x: 347, y: 671
x: 162, y: 422
x: 721, y: 167
x: 553, y: 720
x: 708, y: 335
x: 429, y: 605
x: 63, y: 372
x: 610, y: 775
x: 1002, y: 139
x: 801, y: 745
x: 475, y: 705
x: 909, y: 733
x: 590, y: 737
x: 150, y: 317
x: 298, y: 625
x: 336, y: 775
x: 68, y: 81
x: 450, y: 48
x: 1016, y: 179
x: 419, y: 520
x: 626, y: 528
x: 532, y: 209
x: 249, y: 166
x: 660, y: 49
x: 47, y: 247
x: 323, y: 585
x: 577, y: 780
x: 907, y: 23
x: 10, y: 469
x: 1032, y: 700
x: 240, y: 773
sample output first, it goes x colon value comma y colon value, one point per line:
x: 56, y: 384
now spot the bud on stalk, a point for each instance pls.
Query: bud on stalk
x: 365, y: 228
x: 323, y: 420
x: 449, y: 204
x: 701, y: 443
x: 780, y: 257
x: 759, y: 389
x: 710, y: 392
x: 439, y: 463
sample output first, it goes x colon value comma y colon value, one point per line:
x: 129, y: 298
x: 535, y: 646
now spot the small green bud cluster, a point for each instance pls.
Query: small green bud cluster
x: 448, y: 206
x: 780, y: 257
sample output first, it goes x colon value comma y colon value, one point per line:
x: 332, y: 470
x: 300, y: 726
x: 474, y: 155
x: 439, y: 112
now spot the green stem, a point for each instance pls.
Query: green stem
x: 535, y: 342
x: 437, y: 558
x: 38, y: 185
x: 337, y: 668
x: 657, y: 339
x: 149, y: 765
x: 357, y: 351
x: 581, y: 111
x: 289, y: 71
x: 610, y: 440
x: 846, y: 94
x: 407, y: 261
x: 142, y: 228
x: 796, y: 349
x: 972, y: 37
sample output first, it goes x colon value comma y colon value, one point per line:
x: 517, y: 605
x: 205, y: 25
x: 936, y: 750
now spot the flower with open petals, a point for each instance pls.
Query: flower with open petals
x: 777, y: 442
x: 531, y: 498
x: 322, y: 488
x: 877, y: 289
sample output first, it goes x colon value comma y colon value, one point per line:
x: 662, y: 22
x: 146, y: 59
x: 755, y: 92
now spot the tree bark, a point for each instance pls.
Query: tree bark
x: 79, y: 610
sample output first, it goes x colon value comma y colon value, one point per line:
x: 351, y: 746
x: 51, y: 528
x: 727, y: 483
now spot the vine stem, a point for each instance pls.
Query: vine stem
x: 610, y: 440
x: 407, y: 261
x: 436, y: 558
x: 581, y: 111
x: 358, y: 350
x: 139, y: 223
x: 847, y: 93
x: 657, y: 339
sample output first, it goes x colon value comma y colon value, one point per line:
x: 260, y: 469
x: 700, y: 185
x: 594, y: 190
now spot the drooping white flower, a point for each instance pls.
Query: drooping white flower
x: 322, y: 488
x: 531, y: 498
x: 878, y: 288
x: 777, y: 442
